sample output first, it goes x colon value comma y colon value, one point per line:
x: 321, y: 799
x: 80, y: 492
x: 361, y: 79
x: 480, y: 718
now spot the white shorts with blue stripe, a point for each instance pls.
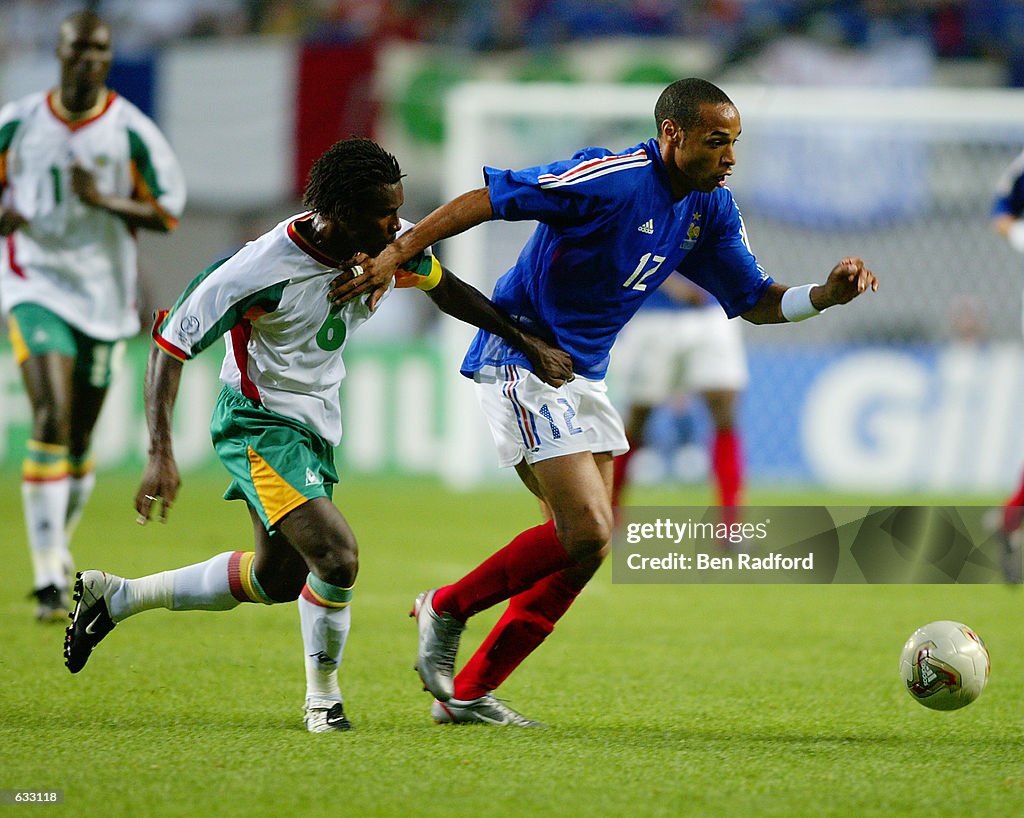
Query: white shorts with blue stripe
x: 529, y: 419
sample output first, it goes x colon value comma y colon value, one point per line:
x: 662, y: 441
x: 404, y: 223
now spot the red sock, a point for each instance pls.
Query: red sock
x: 531, y: 556
x: 620, y: 472
x: 530, y: 617
x: 1013, y: 511
x: 727, y: 464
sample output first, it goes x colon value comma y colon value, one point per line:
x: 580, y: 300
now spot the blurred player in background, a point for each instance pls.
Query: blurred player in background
x: 1008, y: 222
x: 278, y: 417
x: 82, y: 169
x: 613, y: 227
x: 680, y: 342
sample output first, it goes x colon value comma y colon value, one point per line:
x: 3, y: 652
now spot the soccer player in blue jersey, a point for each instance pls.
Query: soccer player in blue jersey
x: 612, y: 227
x: 1008, y: 222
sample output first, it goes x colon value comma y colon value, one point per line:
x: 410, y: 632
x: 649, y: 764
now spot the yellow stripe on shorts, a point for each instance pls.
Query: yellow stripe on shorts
x: 21, y: 352
x: 276, y: 495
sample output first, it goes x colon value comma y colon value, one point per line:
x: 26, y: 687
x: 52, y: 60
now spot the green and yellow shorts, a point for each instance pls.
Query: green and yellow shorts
x: 277, y: 464
x: 34, y: 330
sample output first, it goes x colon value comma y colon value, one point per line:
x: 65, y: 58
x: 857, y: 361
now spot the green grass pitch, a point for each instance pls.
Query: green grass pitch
x: 660, y: 700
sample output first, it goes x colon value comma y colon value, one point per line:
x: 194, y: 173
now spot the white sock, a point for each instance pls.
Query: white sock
x: 324, y: 632
x: 45, y: 504
x: 200, y: 587
x: 80, y: 490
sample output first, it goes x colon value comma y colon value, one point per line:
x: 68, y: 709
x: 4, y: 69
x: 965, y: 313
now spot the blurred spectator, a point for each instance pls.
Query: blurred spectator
x: 995, y: 29
x: 289, y: 17
x: 142, y: 26
x: 563, y: 20
x: 992, y: 30
x: 27, y: 26
x: 948, y: 23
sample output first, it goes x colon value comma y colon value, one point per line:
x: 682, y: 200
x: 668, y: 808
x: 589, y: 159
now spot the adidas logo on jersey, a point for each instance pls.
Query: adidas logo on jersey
x: 312, y: 479
x: 647, y: 227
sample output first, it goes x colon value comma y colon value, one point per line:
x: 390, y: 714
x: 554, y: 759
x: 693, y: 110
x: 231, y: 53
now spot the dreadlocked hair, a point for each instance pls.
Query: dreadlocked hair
x: 349, y: 175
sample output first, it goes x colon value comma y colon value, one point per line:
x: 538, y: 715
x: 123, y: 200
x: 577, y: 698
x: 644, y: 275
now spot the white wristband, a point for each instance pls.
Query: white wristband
x: 1016, y: 236
x: 796, y: 303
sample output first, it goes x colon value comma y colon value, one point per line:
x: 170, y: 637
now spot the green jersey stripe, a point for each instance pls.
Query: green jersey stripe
x: 266, y: 300
x: 139, y: 153
x: 7, y: 134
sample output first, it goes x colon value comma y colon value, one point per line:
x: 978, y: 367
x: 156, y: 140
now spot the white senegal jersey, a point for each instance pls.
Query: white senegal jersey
x: 80, y: 262
x: 284, y: 339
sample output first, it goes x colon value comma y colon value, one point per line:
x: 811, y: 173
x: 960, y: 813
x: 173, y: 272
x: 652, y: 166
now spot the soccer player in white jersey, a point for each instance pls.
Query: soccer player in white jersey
x: 612, y: 227
x: 1008, y: 222
x: 81, y: 170
x: 680, y: 342
x: 278, y: 417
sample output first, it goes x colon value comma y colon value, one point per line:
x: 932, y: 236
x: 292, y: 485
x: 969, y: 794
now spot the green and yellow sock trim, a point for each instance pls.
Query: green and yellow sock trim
x: 242, y: 579
x: 324, y: 594
x: 82, y: 466
x: 44, y: 462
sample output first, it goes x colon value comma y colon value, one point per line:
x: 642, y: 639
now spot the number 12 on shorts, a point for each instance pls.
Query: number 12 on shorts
x: 568, y: 414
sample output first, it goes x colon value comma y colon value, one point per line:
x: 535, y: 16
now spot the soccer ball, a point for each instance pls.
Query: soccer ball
x: 945, y: 665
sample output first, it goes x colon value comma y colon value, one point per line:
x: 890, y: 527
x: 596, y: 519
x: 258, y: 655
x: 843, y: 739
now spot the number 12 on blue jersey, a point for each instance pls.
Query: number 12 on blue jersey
x: 640, y: 275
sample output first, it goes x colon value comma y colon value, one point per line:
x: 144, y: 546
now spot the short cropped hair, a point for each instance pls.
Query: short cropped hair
x: 82, y: 22
x: 682, y: 100
x: 349, y: 175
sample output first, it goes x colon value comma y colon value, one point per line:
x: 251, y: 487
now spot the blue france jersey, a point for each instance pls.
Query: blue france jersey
x: 663, y: 299
x: 609, y: 234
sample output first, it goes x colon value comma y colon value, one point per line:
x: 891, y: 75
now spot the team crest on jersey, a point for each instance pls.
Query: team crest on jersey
x: 188, y: 327
x: 692, y: 232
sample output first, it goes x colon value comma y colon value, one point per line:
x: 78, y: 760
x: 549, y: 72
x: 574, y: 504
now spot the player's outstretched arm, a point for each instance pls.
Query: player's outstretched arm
x: 160, y: 479
x: 463, y: 301
x: 132, y: 212
x: 848, y: 279
x: 375, y: 274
